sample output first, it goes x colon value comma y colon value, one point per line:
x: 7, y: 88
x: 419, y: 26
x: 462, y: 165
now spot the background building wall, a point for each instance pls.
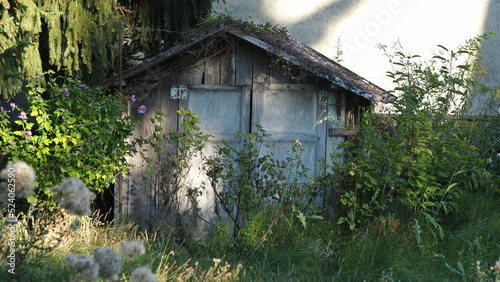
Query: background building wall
x: 360, y: 25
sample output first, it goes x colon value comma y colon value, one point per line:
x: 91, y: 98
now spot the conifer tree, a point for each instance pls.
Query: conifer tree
x: 80, y: 37
x: 155, y: 25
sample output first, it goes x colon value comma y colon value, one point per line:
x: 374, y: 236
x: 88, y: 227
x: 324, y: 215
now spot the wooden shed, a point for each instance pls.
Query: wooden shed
x: 236, y: 75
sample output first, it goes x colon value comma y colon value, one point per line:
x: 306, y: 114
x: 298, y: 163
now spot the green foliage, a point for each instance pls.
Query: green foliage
x: 257, y: 178
x: 484, y: 134
x: 167, y: 175
x: 259, y: 229
x: 31, y: 237
x: 416, y: 161
x: 42, y: 35
x: 154, y: 26
x: 274, y: 225
x: 338, y: 53
x: 277, y: 248
x: 81, y: 37
x: 67, y: 130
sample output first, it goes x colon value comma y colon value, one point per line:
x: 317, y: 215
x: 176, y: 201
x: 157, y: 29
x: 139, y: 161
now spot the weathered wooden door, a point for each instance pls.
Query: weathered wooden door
x: 290, y: 113
x: 223, y: 111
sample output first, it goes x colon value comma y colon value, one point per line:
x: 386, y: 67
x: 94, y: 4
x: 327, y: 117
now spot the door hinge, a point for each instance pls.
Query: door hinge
x: 180, y: 92
x: 325, y: 98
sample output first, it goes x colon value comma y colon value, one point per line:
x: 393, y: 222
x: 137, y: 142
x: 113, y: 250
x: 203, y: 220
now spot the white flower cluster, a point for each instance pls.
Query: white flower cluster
x: 131, y: 249
x: 24, y: 178
x: 109, y: 263
x: 106, y: 264
x: 142, y: 274
x: 74, y: 196
x: 86, y: 264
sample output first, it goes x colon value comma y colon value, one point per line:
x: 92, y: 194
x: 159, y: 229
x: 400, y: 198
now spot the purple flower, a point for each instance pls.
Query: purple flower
x: 80, y: 125
x: 83, y: 87
x: 133, y: 148
x: 132, y: 98
x: 23, y: 115
x: 13, y: 105
x: 66, y: 92
x: 142, y: 110
x: 28, y: 133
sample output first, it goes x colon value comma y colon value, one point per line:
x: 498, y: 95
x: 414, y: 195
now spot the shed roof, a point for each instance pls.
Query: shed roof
x: 275, y: 41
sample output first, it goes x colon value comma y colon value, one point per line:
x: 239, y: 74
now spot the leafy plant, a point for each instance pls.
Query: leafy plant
x: 167, y: 175
x: 417, y: 160
x: 68, y: 129
x: 257, y: 178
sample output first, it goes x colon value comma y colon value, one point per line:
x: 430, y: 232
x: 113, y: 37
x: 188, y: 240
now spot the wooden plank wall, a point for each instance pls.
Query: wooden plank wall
x: 138, y: 196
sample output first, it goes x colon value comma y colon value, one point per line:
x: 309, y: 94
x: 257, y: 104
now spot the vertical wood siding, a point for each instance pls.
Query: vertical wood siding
x: 245, y: 67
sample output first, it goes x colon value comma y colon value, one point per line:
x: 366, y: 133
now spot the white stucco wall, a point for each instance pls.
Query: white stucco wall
x: 361, y: 25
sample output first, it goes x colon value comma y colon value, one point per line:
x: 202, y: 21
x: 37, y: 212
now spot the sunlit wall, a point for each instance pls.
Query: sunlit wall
x: 360, y: 25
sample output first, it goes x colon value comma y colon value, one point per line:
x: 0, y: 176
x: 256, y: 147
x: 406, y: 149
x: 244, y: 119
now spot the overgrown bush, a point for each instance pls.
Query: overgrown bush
x: 257, y: 178
x: 167, y: 175
x: 67, y: 130
x: 416, y: 160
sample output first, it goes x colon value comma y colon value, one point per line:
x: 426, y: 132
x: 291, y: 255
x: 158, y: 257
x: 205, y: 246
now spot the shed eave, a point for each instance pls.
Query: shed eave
x: 315, y: 63
x: 148, y: 63
x: 331, y: 76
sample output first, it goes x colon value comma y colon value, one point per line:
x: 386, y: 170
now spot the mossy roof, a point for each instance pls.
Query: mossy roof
x: 276, y: 41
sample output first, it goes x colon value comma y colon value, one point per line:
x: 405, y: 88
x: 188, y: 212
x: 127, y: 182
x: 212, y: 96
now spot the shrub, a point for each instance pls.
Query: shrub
x: 257, y: 178
x: 415, y: 160
x: 67, y: 130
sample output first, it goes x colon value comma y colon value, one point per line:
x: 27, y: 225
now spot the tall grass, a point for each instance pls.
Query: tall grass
x: 277, y: 247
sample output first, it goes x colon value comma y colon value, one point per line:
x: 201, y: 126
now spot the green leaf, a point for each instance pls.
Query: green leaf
x: 452, y: 269
x: 442, y: 47
x: 316, y: 217
x: 450, y: 187
x: 302, y: 218
x: 439, y: 57
x: 461, y: 268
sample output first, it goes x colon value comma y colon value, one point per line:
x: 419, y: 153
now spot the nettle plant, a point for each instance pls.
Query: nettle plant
x: 415, y: 160
x: 67, y: 130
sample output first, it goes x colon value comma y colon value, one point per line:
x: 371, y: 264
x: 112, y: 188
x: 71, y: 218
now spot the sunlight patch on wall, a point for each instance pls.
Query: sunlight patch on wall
x: 288, y: 12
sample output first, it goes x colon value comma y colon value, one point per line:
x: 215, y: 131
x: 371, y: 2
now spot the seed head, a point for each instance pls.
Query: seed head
x: 86, y: 264
x: 131, y: 249
x: 109, y: 263
x: 74, y: 196
x: 142, y: 274
x: 24, y: 177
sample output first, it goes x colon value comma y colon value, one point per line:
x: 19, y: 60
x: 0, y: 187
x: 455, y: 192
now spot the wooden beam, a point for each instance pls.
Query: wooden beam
x: 342, y: 131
